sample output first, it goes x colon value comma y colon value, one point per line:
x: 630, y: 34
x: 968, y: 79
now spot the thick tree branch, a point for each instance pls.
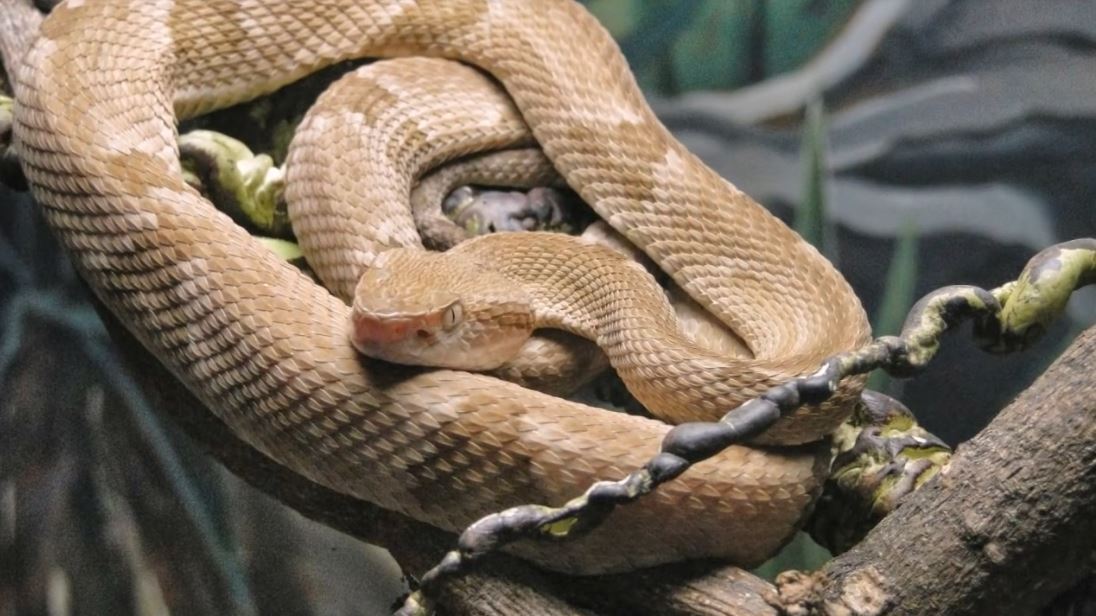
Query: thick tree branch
x: 1005, y: 528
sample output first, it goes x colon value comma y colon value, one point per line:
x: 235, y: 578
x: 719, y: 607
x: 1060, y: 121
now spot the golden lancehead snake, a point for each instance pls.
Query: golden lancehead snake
x: 98, y: 98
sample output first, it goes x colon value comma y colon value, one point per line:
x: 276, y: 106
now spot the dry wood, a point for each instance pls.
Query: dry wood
x: 1007, y: 527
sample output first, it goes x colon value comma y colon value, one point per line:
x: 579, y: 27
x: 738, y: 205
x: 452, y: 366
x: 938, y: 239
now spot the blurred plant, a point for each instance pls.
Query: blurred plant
x: 42, y: 289
x: 801, y: 554
x: 898, y: 298
x: 794, y: 30
x: 719, y: 49
x: 811, y: 219
x: 676, y: 47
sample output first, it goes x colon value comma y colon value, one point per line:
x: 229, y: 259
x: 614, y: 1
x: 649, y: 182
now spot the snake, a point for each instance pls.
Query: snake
x: 98, y: 99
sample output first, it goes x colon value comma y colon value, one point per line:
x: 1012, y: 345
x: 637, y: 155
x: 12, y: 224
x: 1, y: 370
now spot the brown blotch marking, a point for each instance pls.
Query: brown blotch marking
x: 435, y: 474
x: 413, y: 138
x: 450, y: 29
x: 1050, y: 260
x: 230, y: 29
x: 637, y: 186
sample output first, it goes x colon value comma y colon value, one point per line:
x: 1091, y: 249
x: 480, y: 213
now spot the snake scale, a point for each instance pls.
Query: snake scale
x: 98, y: 99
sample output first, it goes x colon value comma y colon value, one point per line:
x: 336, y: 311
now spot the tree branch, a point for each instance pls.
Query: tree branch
x: 1005, y: 528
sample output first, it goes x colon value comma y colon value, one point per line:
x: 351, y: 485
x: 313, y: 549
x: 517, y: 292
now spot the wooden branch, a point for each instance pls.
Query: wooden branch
x: 1009, y: 525
x: 684, y: 589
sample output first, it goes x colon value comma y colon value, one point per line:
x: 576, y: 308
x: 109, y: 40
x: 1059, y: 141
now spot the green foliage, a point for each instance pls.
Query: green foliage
x: 676, y: 46
x: 620, y: 17
x: 714, y: 53
x: 796, y: 29
x: 647, y: 37
x: 32, y: 297
x: 802, y: 554
x: 811, y: 219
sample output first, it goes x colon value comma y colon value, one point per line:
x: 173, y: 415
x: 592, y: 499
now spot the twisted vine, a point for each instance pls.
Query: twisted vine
x: 1006, y: 319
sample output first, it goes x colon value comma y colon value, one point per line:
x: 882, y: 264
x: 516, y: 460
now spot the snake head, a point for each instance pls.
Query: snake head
x: 427, y: 309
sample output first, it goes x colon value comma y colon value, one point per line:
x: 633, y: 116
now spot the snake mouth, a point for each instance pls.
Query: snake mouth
x: 369, y: 331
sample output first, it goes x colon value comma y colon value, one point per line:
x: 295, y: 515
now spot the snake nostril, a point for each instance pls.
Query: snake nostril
x: 422, y: 334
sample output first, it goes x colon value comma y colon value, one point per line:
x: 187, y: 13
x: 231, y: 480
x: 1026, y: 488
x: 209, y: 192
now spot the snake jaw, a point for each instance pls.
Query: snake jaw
x: 432, y: 340
x: 369, y: 331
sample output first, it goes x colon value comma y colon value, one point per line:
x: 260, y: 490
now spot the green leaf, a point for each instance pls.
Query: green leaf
x: 801, y: 554
x: 811, y: 218
x: 898, y: 295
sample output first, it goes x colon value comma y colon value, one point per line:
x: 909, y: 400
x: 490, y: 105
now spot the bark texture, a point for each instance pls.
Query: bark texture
x: 1008, y: 526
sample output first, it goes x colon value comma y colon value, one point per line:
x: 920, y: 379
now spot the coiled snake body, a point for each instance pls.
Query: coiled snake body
x: 265, y: 348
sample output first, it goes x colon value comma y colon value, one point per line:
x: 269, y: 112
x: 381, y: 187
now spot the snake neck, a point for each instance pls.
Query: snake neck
x: 596, y: 293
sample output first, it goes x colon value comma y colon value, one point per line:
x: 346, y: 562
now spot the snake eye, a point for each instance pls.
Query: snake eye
x: 452, y: 316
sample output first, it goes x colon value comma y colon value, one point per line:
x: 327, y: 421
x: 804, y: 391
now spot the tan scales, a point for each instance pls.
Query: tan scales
x: 265, y: 348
